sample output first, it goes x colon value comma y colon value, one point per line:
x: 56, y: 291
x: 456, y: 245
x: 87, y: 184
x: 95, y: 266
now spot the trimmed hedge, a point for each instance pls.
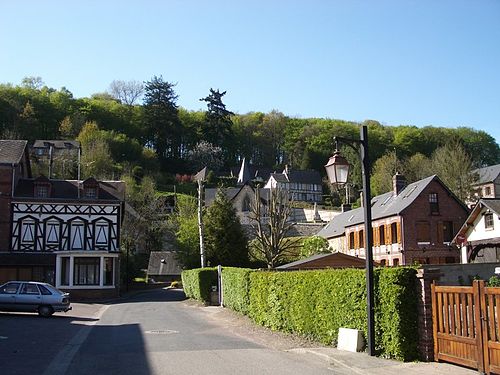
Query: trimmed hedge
x: 317, y: 303
x: 236, y: 288
x: 197, y: 283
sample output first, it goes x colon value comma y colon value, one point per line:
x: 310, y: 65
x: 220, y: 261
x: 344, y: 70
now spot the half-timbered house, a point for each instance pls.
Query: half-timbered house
x: 65, y: 232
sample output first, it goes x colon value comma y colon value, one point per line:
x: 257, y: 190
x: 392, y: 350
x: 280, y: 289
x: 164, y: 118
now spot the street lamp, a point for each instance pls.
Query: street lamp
x: 337, y: 170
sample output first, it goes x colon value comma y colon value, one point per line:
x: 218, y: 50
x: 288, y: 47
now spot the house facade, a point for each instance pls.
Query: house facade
x: 479, y: 236
x: 488, y: 183
x: 65, y: 232
x: 303, y: 185
x: 412, y: 224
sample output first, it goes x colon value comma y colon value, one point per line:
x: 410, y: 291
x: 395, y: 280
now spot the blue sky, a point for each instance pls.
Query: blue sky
x: 399, y: 62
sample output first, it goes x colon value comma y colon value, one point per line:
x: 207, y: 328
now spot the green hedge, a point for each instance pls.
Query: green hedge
x: 236, y: 288
x: 197, y: 283
x: 318, y: 303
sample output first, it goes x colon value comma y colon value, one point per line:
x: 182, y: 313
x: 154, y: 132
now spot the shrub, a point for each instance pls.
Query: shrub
x: 198, y: 283
x: 236, y: 287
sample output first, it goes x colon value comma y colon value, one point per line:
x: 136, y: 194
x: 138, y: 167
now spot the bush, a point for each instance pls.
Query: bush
x: 317, y: 303
x: 198, y: 283
x: 236, y: 287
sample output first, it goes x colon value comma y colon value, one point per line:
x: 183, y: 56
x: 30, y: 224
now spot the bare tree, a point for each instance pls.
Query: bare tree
x: 128, y: 92
x: 271, y: 226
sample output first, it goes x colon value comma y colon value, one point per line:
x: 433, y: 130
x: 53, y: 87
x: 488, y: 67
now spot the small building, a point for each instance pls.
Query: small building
x: 302, y: 185
x: 479, y: 236
x: 321, y: 261
x: 411, y: 224
x: 488, y: 183
x: 163, y: 266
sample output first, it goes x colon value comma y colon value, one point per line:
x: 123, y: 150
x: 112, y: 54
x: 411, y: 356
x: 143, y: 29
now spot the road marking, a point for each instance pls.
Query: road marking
x: 62, y: 360
x: 161, y: 332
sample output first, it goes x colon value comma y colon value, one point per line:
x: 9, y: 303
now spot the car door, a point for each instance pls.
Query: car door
x: 8, y: 294
x: 28, y: 298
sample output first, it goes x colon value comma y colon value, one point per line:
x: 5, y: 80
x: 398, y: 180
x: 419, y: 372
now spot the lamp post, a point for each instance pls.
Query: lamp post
x: 337, y: 170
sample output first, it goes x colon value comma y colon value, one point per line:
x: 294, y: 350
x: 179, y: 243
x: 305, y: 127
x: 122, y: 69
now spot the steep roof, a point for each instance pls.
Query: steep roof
x: 244, y: 175
x: 487, y: 174
x: 68, y: 189
x: 59, y: 144
x: 492, y: 204
x: 308, y: 176
x: 383, y: 205
x: 12, y: 151
x: 163, y: 263
x: 231, y: 193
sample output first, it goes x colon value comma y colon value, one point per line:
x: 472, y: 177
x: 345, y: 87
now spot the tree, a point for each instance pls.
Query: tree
x: 96, y: 160
x: 217, y: 128
x: 454, y: 167
x: 205, y: 154
x: 184, y: 224
x: 383, y: 171
x: 314, y: 245
x: 34, y: 83
x: 161, y: 116
x: 127, y: 92
x: 271, y: 227
x: 225, y: 241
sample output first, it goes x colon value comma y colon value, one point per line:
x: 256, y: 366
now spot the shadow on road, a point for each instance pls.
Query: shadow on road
x: 153, y: 295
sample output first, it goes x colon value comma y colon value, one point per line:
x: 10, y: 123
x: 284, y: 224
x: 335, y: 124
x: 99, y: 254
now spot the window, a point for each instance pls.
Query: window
x: 108, y: 271
x: 246, y: 204
x: 41, y: 191
x: 351, y: 240
x: 90, y: 192
x: 86, y: 271
x: 361, y: 238
x: 44, y: 290
x: 382, y: 262
x: 77, y: 235
x: 9, y: 288
x: 29, y: 289
x: 52, y: 232
x: 394, y: 233
x: 381, y: 234
x: 395, y: 262
x: 28, y: 231
x: 64, y: 271
x: 487, y: 191
x: 488, y: 221
x: 434, y: 203
x: 423, y: 232
x: 447, y: 231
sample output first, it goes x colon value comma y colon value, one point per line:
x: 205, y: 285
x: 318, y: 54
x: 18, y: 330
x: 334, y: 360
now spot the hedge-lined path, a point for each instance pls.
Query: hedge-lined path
x: 157, y: 332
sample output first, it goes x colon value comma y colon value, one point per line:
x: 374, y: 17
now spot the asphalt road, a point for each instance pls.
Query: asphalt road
x: 155, y: 332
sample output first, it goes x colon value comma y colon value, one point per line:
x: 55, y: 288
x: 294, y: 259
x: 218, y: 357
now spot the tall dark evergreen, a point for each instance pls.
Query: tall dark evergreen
x: 163, y: 127
x: 217, y: 127
x: 225, y: 241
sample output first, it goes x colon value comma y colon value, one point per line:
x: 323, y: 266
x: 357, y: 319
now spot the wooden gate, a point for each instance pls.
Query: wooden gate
x: 466, y: 324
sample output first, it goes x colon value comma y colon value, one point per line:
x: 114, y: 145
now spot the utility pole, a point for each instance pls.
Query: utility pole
x: 200, y: 221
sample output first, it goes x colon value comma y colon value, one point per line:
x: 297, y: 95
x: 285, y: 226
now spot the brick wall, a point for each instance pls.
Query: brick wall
x: 5, y: 197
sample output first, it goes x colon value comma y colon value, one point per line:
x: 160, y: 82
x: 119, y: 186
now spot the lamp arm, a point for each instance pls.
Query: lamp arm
x: 352, y: 143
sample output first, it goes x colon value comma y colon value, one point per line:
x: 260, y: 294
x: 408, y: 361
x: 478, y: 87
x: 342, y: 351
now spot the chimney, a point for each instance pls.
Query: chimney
x: 398, y: 183
x: 346, y: 207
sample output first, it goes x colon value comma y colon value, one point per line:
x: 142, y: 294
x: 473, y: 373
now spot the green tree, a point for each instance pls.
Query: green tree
x: 383, y: 171
x: 183, y: 223
x: 225, y: 241
x: 96, y: 160
x: 314, y: 245
x: 161, y: 118
x: 217, y: 128
x: 454, y: 167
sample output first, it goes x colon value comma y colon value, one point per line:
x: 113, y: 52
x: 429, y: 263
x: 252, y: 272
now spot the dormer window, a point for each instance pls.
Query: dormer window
x: 90, y: 192
x: 41, y: 191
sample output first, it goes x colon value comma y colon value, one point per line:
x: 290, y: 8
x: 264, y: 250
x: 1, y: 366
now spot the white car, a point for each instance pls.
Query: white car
x: 32, y: 296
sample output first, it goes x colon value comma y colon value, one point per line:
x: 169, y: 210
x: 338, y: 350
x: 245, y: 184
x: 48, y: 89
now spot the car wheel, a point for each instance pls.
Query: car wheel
x: 45, y: 311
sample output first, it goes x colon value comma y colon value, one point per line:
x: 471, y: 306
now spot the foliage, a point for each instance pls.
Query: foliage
x: 126, y: 92
x: 236, y: 284
x: 314, y: 245
x: 225, y: 240
x: 184, y: 224
x: 271, y: 227
x: 494, y: 281
x: 197, y: 283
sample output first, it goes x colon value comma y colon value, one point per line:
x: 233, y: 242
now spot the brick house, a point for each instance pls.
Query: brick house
x: 411, y: 224
x: 65, y: 232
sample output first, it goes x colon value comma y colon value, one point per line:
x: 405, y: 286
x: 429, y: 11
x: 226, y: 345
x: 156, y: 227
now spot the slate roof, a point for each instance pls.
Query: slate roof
x: 321, y: 261
x: 68, y: 189
x: 383, y: 205
x: 231, y: 193
x: 12, y: 151
x: 169, y: 266
x: 487, y: 174
x: 59, y: 144
x: 305, y: 176
x: 492, y: 203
